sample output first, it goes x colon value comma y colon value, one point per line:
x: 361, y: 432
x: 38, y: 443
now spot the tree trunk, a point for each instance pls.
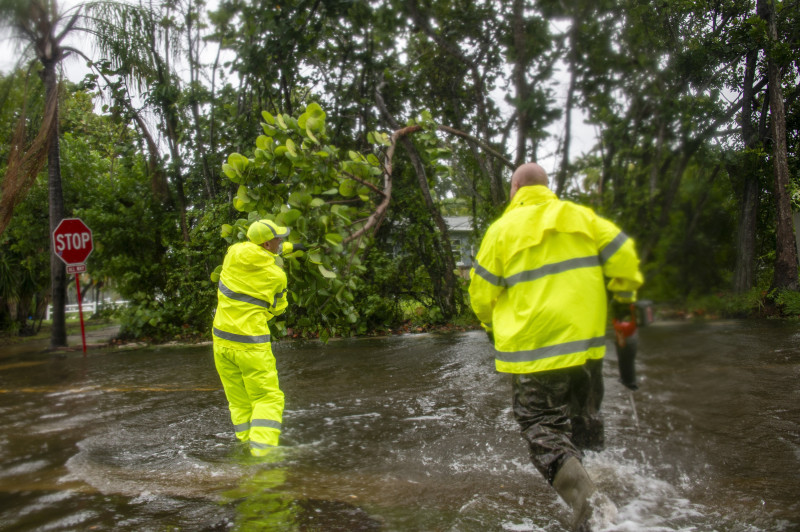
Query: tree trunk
x: 520, y: 85
x: 785, y: 274
x: 744, y: 274
x: 442, y: 274
x: 209, y: 178
x: 564, y: 170
x: 58, y: 274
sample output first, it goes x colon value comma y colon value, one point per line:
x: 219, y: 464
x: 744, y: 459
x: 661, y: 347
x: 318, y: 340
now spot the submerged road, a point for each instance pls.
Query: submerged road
x: 401, y: 433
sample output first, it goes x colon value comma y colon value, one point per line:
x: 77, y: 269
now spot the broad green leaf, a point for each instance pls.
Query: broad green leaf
x: 334, y: 238
x: 227, y: 230
x: 290, y: 216
x: 268, y: 118
x: 238, y: 161
x: 347, y: 188
x: 317, y: 202
x: 281, y: 122
x: 264, y: 142
x: 326, y: 273
x: 231, y: 172
x: 300, y: 198
x: 314, y: 110
x: 380, y: 138
x: 290, y: 147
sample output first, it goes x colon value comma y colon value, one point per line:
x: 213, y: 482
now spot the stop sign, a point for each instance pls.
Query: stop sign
x: 72, y: 241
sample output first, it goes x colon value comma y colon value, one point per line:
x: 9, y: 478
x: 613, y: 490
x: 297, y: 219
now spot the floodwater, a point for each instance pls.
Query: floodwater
x: 408, y: 433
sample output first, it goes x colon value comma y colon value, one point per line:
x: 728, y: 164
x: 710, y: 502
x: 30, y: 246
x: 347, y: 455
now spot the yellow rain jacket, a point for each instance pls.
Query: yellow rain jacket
x: 538, y: 282
x: 252, y: 289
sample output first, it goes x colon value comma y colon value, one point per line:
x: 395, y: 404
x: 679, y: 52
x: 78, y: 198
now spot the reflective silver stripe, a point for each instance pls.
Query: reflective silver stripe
x: 241, y: 427
x: 257, y: 445
x: 551, y: 350
x: 489, y: 276
x: 538, y: 273
x: 242, y: 297
x: 623, y: 295
x: 608, y: 251
x: 550, y: 269
x: 266, y: 423
x: 241, y: 338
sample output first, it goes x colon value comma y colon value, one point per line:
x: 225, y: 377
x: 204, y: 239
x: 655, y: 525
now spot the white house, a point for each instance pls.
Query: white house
x: 463, y: 242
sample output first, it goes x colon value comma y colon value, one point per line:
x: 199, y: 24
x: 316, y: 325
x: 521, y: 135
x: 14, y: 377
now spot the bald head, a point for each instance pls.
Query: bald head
x: 527, y: 175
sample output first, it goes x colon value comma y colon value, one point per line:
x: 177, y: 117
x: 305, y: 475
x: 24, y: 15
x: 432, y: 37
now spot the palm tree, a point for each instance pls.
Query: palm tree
x: 42, y: 27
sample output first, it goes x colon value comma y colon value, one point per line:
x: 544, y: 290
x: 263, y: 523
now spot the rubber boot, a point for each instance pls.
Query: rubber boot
x: 573, y: 484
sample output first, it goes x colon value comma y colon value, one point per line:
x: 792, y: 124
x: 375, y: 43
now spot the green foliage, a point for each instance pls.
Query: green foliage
x: 24, y: 246
x: 324, y: 195
x: 695, y: 254
x: 727, y: 304
x: 789, y: 303
x: 657, y: 85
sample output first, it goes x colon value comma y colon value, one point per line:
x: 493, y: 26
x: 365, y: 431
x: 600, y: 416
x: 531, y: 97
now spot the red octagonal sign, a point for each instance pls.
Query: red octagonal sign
x: 72, y: 241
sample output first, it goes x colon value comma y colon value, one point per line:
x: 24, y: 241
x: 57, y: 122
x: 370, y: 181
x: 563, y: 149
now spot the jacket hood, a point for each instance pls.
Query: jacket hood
x: 249, y: 256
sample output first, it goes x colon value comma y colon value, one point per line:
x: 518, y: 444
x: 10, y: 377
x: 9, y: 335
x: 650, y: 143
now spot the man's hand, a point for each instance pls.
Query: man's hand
x: 289, y: 247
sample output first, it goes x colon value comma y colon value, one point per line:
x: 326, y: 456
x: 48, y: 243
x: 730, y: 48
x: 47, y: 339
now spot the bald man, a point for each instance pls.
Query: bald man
x: 539, y: 288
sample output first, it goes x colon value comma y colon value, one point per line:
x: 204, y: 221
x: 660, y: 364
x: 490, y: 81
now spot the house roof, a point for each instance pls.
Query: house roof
x: 459, y: 223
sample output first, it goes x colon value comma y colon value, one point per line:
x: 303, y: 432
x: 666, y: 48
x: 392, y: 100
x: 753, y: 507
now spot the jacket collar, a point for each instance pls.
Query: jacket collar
x: 531, y: 195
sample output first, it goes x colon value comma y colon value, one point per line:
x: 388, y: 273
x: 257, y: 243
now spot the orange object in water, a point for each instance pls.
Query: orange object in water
x: 627, y: 345
x: 624, y: 328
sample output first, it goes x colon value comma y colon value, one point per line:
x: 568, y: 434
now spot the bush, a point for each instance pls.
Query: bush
x: 728, y: 305
x: 789, y: 303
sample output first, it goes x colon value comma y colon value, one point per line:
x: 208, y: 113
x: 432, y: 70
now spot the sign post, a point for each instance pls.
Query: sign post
x: 72, y: 242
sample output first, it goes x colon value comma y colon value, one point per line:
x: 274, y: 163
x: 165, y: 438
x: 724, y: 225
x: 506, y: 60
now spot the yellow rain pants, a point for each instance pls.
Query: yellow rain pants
x: 255, y: 399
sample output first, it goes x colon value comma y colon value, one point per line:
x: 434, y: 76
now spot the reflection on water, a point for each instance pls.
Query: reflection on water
x: 402, y: 433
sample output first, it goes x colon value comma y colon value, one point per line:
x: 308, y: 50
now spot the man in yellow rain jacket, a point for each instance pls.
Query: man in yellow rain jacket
x: 252, y: 289
x: 539, y: 289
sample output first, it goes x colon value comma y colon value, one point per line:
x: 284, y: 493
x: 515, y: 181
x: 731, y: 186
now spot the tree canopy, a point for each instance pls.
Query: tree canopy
x: 365, y: 125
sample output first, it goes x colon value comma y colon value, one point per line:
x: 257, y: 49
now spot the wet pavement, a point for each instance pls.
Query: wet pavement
x: 402, y: 433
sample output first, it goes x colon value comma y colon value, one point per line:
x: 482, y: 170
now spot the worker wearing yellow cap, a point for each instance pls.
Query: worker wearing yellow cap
x: 251, y: 291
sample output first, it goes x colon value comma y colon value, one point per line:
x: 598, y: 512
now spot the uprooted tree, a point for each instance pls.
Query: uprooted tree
x: 333, y: 201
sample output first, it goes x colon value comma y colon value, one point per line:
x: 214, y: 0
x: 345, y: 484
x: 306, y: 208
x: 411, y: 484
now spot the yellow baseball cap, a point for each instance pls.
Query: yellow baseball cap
x: 265, y: 230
